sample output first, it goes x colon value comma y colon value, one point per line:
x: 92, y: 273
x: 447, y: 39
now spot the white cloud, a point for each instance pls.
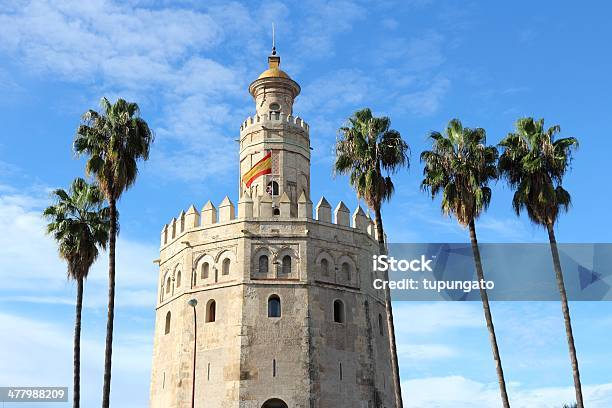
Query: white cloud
x: 507, y: 229
x: 144, y: 53
x: 461, y: 392
x: 410, y: 352
x: 418, y: 53
x: 425, y: 101
x: 427, y: 318
x: 38, y: 352
x: 28, y: 255
x: 324, y: 20
x: 78, y: 40
x: 123, y: 50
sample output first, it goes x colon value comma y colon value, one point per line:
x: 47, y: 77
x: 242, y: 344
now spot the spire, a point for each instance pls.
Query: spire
x: 274, y: 59
x: 273, y: 41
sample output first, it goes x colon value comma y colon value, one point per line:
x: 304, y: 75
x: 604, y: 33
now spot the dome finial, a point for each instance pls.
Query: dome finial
x: 273, y: 41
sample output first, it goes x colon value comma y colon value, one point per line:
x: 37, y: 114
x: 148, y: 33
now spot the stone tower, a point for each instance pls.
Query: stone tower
x: 286, y: 315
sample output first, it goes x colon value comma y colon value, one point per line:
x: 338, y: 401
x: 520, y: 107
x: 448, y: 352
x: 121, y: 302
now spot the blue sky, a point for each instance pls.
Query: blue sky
x: 188, y: 65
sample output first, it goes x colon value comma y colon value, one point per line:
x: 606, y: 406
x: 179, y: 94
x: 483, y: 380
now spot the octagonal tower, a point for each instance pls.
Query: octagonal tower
x: 286, y: 315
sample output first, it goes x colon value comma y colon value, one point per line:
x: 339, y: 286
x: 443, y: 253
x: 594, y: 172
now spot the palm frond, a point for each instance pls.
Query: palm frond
x: 113, y: 141
x: 79, y: 222
x: 369, y: 151
x: 534, y: 162
x: 460, y: 166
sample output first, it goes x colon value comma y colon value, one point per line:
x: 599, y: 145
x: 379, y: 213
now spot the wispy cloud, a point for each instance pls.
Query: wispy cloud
x: 29, y: 341
x: 418, y: 53
x: 121, y: 49
x: 28, y: 255
x: 323, y: 20
x: 422, y: 318
x: 461, y: 392
x: 425, y: 101
x: 411, y: 352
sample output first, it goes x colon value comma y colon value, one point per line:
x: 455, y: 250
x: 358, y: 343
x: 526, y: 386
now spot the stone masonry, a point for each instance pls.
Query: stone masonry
x: 286, y: 313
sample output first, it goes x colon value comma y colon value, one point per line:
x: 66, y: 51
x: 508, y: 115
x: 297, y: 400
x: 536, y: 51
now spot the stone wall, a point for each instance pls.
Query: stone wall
x: 245, y: 357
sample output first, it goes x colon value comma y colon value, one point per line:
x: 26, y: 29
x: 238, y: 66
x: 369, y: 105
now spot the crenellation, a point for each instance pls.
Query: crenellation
x: 323, y: 210
x: 209, y: 214
x: 245, y: 206
x: 280, y: 118
x: 285, y: 205
x: 192, y: 218
x: 181, y: 222
x: 164, y: 234
x: 304, y: 206
x: 360, y: 221
x: 342, y: 215
x: 265, y: 206
x: 226, y: 210
x: 371, y: 227
x: 173, y: 228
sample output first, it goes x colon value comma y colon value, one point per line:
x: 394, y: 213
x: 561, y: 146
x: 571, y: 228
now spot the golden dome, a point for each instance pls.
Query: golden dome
x: 274, y: 76
x: 274, y: 70
x: 274, y: 73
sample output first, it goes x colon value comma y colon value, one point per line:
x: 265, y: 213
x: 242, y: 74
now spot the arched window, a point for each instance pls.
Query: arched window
x: 274, y: 403
x: 324, y: 267
x: 168, y: 284
x: 276, y: 211
x: 272, y: 188
x: 338, y: 311
x: 286, y: 265
x: 346, y: 271
x: 381, y: 328
x: 205, y: 270
x: 167, y: 330
x: 225, y: 270
x: 178, y: 279
x: 263, y: 264
x: 211, y: 311
x: 274, y: 306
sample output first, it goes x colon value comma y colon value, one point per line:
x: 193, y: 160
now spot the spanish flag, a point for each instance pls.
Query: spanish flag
x: 264, y: 166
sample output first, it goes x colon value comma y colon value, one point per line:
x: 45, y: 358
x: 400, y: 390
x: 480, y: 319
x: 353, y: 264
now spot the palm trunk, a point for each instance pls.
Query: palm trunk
x: 76, y: 382
x: 566, y: 314
x: 488, y: 317
x: 389, y: 311
x: 108, y: 353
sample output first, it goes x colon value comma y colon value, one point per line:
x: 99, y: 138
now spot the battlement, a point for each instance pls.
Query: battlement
x: 276, y: 118
x: 266, y: 208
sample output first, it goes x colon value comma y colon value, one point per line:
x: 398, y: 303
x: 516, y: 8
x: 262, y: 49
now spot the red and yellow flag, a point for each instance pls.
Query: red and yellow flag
x: 264, y: 166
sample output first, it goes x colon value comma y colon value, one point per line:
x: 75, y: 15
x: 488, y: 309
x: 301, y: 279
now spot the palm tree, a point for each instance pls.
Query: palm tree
x: 534, y: 164
x: 79, y: 223
x: 369, y: 151
x: 113, y: 142
x: 460, y: 167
